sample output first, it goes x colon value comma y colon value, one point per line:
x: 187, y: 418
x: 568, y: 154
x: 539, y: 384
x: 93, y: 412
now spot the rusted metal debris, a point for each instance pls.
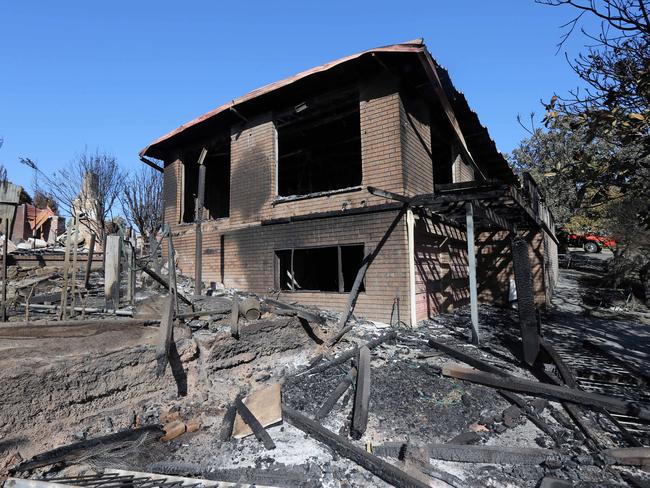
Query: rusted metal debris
x: 72, y: 452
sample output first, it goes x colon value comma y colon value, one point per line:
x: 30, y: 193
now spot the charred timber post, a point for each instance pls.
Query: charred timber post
x: 525, y: 300
x: 200, y: 193
x: 367, y: 261
x: 165, y: 335
x: 111, y: 272
x: 471, y: 261
x: 380, y: 468
x: 66, y: 263
x: 4, y: 271
x: 89, y: 261
x: 361, y: 394
x: 171, y: 268
x: 234, y: 317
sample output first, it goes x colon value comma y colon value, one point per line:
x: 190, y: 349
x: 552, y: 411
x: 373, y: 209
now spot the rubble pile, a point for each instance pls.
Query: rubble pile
x: 259, y: 390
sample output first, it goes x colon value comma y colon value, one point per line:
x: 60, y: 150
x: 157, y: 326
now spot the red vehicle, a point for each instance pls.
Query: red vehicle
x: 589, y: 241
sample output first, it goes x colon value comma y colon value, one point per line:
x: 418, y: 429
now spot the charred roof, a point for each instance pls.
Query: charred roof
x: 410, y: 61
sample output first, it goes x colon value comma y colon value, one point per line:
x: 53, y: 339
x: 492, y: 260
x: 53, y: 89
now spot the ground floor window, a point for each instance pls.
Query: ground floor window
x: 331, y: 268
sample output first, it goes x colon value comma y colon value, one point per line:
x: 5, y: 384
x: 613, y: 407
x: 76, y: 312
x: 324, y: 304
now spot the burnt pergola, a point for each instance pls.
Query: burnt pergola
x: 486, y: 205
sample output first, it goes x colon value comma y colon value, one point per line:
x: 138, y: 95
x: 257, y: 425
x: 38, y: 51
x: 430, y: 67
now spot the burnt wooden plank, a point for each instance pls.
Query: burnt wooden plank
x: 367, y: 261
x: 380, y: 468
x: 511, y: 397
x: 343, y: 357
x: 463, y: 453
x: 553, y: 392
x: 164, y: 283
x: 338, y: 392
x: 260, y: 432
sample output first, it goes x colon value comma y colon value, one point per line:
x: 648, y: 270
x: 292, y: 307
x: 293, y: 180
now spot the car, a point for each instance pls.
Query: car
x: 591, y: 242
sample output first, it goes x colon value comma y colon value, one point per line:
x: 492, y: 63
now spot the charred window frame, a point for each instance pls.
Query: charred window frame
x: 216, y: 198
x: 318, y: 144
x: 319, y: 269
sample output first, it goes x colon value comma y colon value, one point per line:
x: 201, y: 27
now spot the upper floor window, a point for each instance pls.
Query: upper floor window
x: 319, y: 145
x: 216, y: 196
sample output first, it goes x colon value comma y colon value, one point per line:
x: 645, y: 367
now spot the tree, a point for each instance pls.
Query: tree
x: 142, y: 201
x: 613, y: 107
x: 89, y: 186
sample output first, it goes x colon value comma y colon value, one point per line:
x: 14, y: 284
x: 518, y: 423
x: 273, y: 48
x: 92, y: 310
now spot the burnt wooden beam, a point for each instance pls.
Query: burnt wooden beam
x: 463, y: 453
x: 165, y: 335
x: 300, y: 311
x: 367, y: 261
x: 389, y: 195
x: 361, y: 394
x: 380, y: 468
x: 554, y: 392
x: 164, y: 283
x: 258, y: 429
x: 338, y: 392
x: 632, y: 456
x: 349, y: 354
x: 151, y: 164
x: 203, y: 313
x: 511, y: 397
x: 574, y: 412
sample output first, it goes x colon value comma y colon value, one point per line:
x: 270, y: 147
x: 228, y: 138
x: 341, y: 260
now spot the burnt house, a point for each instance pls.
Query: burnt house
x: 305, y: 176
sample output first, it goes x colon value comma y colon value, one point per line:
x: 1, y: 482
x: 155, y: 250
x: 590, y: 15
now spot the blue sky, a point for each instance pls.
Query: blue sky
x: 115, y: 75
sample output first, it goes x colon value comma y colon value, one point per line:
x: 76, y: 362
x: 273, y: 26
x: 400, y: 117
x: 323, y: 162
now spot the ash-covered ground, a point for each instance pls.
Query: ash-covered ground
x: 78, y: 392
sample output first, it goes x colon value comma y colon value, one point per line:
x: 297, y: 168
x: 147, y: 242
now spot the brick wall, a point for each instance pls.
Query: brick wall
x: 416, y: 145
x: 246, y: 259
x: 494, y: 265
x: 441, y: 272
x: 462, y: 171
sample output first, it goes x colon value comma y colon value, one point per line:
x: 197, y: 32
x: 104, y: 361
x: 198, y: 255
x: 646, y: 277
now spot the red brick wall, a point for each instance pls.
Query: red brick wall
x: 441, y: 273
x: 249, y: 259
x: 462, y: 171
x: 494, y: 265
x: 416, y: 145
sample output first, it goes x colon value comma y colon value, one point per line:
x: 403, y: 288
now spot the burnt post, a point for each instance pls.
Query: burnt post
x: 525, y: 299
x: 4, y: 271
x: 471, y: 264
x: 112, y: 272
x: 200, y: 193
x: 89, y: 262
